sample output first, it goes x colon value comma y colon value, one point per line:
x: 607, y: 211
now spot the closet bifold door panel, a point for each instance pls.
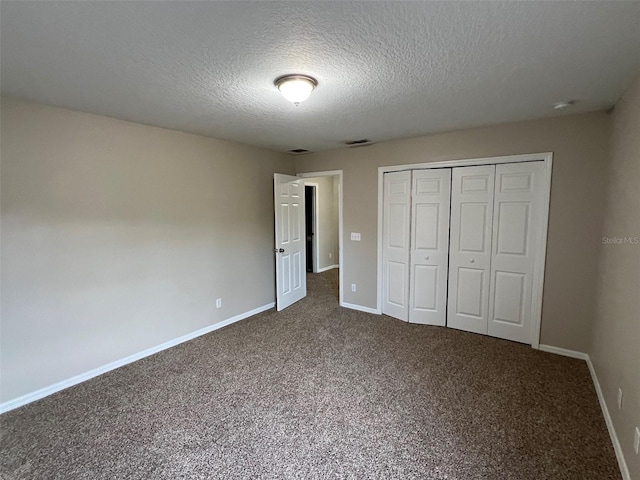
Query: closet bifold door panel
x: 517, y: 214
x: 396, y: 244
x: 472, y: 191
x: 463, y: 247
x: 430, y: 206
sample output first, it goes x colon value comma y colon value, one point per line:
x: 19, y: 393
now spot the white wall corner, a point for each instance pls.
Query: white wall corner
x: 564, y: 352
x: 324, y: 269
x: 360, y: 308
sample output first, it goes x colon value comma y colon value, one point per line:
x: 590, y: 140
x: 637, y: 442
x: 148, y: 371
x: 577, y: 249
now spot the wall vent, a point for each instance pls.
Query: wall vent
x: 358, y: 143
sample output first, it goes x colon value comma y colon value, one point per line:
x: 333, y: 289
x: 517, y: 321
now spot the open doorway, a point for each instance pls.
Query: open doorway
x: 323, y: 225
x: 309, y: 224
x: 326, y: 224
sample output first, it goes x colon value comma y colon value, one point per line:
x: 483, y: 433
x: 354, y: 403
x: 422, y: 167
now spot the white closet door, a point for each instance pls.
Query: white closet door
x: 516, y: 227
x: 470, y: 247
x: 430, y: 205
x: 395, y: 248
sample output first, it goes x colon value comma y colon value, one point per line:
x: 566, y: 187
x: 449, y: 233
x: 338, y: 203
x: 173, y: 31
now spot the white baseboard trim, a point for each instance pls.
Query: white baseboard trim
x: 324, y: 269
x: 564, y: 352
x: 353, y: 306
x: 622, y: 464
x: 56, y: 387
x: 624, y: 470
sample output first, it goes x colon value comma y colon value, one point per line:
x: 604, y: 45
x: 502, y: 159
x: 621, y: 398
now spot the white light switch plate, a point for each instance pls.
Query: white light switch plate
x: 355, y: 236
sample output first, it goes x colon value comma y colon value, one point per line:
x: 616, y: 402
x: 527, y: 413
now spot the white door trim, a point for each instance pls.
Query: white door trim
x: 538, y: 280
x: 339, y: 174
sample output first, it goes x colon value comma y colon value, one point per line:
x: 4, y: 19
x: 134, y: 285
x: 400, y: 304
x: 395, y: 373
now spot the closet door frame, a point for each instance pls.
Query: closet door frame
x: 538, y: 275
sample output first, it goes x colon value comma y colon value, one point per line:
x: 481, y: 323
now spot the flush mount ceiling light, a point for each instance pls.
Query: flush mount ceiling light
x: 295, y: 88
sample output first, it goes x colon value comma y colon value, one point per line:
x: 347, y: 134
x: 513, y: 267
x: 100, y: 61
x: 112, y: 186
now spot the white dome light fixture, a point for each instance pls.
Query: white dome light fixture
x: 295, y: 88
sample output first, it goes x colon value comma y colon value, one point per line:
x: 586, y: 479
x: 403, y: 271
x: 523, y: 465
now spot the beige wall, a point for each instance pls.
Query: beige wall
x: 579, y: 143
x: 615, y: 350
x: 327, y: 234
x: 117, y: 237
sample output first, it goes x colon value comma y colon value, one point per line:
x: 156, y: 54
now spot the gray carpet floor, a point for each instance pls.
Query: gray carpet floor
x: 318, y: 391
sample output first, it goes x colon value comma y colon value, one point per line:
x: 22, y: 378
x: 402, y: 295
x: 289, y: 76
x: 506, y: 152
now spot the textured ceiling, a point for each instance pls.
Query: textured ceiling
x: 385, y: 69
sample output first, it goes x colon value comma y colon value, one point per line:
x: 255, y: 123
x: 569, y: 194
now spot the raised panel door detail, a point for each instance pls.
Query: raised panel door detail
x: 296, y: 219
x: 513, y: 228
x: 473, y: 228
x: 285, y: 224
x: 426, y: 295
x: 475, y: 184
x: 398, y: 228
x: 470, y: 292
x: 509, y: 297
x: 515, y: 182
x: 287, y: 274
x: 396, y: 282
x: 398, y: 188
x: 297, y: 271
x: 428, y: 186
x: 426, y: 226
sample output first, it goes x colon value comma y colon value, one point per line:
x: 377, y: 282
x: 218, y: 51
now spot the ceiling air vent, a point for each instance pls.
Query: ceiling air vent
x: 358, y: 143
x: 299, y: 151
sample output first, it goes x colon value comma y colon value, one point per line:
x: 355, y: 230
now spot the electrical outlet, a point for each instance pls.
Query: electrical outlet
x: 330, y: 254
x: 619, y: 398
x: 353, y: 287
x: 355, y: 236
x: 219, y: 303
x: 636, y: 440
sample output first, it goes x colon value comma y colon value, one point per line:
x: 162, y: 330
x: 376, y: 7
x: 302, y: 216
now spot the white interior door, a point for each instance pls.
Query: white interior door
x: 472, y: 191
x: 395, y: 246
x: 517, y: 213
x: 430, y: 206
x: 291, y: 280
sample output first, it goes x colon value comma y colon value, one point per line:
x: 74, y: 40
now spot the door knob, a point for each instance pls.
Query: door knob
x: 426, y: 258
x: 472, y: 260
x: 281, y: 250
x: 276, y: 250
